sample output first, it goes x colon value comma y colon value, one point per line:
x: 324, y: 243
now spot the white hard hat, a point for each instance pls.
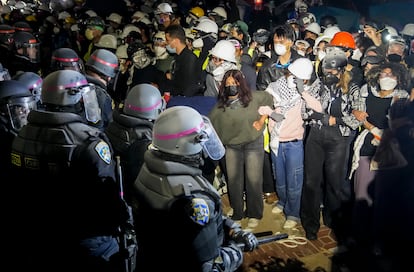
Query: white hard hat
x: 91, y: 13
x: 121, y: 51
x: 164, y: 8
x: 314, y: 28
x: 115, y: 17
x: 63, y: 15
x: 301, y: 68
x: 331, y: 31
x: 207, y: 26
x: 318, y: 40
x: 107, y: 41
x: 408, y: 30
x: 220, y: 11
x: 224, y: 49
x: 138, y: 16
x: 128, y: 29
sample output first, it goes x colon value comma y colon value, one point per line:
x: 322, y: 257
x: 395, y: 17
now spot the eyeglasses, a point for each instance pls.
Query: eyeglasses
x: 384, y: 74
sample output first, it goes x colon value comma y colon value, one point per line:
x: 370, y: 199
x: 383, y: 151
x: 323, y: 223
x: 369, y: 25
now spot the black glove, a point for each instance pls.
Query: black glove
x: 299, y: 85
x: 248, y: 239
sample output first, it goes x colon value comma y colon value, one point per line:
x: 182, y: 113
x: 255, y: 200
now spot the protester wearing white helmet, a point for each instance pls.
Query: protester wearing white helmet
x: 164, y: 16
x: 292, y: 97
x: 223, y: 58
x: 219, y: 15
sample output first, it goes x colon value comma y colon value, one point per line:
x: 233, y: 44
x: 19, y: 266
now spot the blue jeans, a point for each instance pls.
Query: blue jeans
x: 288, y: 169
x: 244, y: 165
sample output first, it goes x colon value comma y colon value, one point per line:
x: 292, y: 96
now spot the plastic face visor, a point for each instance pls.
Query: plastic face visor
x: 32, y: 52
x: 209, y: 140
x: 90, y: 103
x: 19, y: 109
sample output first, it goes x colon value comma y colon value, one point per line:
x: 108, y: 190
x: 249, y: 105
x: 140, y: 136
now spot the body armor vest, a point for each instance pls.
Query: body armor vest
x: 49, y: 141
x: 164, y: 185
x: 124, y: 130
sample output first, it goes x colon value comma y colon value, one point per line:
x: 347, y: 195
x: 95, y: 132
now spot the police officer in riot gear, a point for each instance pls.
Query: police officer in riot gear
x: 16, y: 102
x: 69, y: 194
x: 101, y: 68
x: 177, y: 207
x: 130, y: 131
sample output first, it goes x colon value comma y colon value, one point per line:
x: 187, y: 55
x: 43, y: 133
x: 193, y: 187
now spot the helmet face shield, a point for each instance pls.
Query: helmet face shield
x: 32, y: 52
x: 209, y: 140
x: 90, y: 103
x: 19, y: 109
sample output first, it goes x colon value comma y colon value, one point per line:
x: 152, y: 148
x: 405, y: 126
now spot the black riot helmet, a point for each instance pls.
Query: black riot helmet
x: 26, y: 45
x: 16, y: 101
x: 104, y: 62
x: 32, y: 81
x: 66, y: 59
x: 6, y: 36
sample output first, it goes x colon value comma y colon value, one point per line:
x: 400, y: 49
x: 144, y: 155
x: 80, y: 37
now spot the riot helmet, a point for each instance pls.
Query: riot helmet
x: 144, y: 101
x: 33, y: 83
x: 104, y: 62
x: 70, y: 89
x: 65, y: 59
x: 6, y: 36
x: 26, y: 45
x: 22, y: 26
x: 182, y: 131
x: 16, y: 102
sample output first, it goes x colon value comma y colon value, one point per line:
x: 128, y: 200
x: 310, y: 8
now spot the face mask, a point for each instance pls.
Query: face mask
x: 56, y: 30
x: 291, y: 82
x: 231, y: 90
x: 357, y: 54
x: 159, y: 50
x: 141, y: 59
x: 171, y: 50
x: 280, y: 49
x: 387, y: 83
x: 198, y: 43
x: 394, y: 58
x: 261, y: 48
x: 89, y: 34
x: 330, y: 79
x: 321, y: 54
x: 302, y: 53
x: 218, y: 73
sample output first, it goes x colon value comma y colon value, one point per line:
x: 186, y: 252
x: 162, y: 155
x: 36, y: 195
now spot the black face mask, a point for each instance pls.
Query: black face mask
x: 232, y: 90
x: 394, y: 58
x: 330, y: 79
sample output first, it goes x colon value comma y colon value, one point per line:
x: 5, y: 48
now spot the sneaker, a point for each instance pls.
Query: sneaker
x: 289, y: 224
x: 252, y: 223
x: 277, y: 210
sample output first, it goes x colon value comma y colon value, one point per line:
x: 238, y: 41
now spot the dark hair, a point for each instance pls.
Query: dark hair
x: 245, y: 94
x: 398, y: 71
x: 176, y: 31
x: 285, y: 31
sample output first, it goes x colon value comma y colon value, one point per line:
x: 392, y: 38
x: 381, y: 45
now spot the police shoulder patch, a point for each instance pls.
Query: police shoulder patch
x: 103, y: 151
x: 201, y: 211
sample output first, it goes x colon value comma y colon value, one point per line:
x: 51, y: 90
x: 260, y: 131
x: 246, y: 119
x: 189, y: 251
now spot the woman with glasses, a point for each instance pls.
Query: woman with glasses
x: 377, y: 100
